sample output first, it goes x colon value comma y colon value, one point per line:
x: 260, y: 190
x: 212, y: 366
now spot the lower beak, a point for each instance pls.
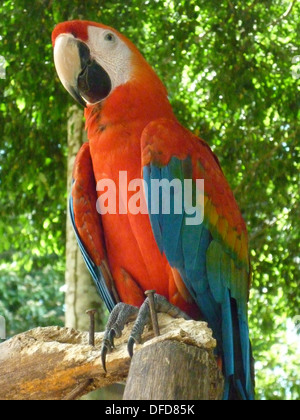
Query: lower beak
x: 80, y: 74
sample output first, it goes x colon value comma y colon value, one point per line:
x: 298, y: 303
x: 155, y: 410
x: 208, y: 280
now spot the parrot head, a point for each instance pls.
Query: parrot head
x: 92, y: 60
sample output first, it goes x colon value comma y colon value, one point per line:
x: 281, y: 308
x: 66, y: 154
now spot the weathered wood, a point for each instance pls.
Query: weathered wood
x: 177, y: 371
x: 51, y: 363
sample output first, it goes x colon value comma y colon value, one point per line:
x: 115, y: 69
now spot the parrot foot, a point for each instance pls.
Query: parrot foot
x: 119, y: 317
x: 124, y: 313
x: 162, y: 305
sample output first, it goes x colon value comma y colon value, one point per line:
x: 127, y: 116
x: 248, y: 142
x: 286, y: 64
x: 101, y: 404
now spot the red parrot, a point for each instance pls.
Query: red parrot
x: 201, y: 270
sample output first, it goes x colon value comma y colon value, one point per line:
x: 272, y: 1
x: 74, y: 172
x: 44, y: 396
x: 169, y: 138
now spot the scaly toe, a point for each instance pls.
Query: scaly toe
x: 119, y: 317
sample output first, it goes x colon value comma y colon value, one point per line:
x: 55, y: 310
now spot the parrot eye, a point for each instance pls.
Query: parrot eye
x: 109, y: 37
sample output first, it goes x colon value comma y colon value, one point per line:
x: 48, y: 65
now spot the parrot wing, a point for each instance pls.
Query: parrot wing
x: 88, y: 227
x: 211, y: 257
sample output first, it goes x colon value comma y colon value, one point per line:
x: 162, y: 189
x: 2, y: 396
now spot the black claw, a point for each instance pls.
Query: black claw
x: 104, y: 352
x: 130, y: 345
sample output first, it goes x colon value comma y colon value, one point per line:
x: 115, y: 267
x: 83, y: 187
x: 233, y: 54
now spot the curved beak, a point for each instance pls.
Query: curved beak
x: 68, y: 64
x: 82, y: 77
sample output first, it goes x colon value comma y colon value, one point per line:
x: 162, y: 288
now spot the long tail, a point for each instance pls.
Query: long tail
x: 238, y: 360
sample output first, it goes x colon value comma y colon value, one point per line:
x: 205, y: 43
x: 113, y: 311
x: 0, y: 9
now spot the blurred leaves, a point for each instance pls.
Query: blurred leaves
x: 31, y: 299
x: 229, y: 68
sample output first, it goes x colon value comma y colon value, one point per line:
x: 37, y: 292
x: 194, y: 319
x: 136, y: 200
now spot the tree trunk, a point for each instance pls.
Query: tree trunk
x: 81, y: 293
x: 172, y: 371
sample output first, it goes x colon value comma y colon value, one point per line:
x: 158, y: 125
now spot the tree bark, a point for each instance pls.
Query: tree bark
x: 176, y: 371
x: 57, y: 363
x: 81, y: 293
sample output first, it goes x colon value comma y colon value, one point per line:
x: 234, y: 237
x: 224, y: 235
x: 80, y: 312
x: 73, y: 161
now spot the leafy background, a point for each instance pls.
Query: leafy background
x: 232, y: 72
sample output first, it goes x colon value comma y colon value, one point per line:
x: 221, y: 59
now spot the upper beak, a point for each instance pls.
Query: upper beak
x: 68, y: 64
x: 82, y: 76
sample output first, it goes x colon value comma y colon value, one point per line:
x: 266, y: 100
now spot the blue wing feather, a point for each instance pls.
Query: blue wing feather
x: 92, y: 267
x: 209, y: 273
x: 154, y: 220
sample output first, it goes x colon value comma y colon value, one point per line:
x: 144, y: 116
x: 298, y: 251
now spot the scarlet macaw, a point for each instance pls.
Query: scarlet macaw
x: 204, y: 269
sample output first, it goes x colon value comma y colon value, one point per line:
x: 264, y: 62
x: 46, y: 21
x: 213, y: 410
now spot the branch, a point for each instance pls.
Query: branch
x: 266, y: 226
x: 230, y: 4
x: 285, y: 14
x: 263, y: 159
x: 57, y: 363
x: 252, y: 5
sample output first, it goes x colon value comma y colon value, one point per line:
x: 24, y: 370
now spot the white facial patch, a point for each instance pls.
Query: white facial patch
x: 111, y: 53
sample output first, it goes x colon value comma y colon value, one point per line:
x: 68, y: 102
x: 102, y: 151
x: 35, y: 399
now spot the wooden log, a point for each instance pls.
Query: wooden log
x: 171, y: 370
x: 53, y: 363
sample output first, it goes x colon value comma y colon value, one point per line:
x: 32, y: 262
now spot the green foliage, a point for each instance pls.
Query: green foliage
x: 229, y: 71
x: 31, y: 299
